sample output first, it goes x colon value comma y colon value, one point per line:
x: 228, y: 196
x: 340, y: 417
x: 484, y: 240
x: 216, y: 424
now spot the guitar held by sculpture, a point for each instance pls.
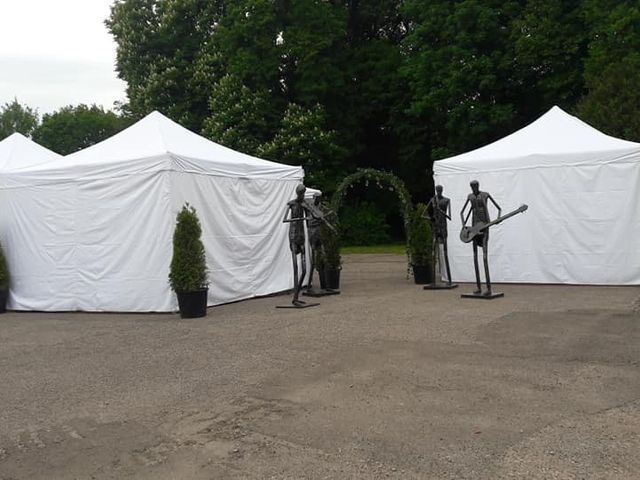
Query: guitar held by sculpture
x: 467, y: 234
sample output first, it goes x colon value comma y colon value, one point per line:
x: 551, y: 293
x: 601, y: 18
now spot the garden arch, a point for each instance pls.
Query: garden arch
x: 381, y: 179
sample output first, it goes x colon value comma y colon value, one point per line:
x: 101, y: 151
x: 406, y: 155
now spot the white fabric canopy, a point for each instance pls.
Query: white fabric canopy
x: 582, y: 188
x: 94, y: 230
x: 17, y: 151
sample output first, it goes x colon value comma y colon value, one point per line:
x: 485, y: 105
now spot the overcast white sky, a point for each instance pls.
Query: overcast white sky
x: 57, y: 52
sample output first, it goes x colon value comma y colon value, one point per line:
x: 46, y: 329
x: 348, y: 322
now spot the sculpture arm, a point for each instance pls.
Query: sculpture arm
x: 329, y: 226
x: 286, y: 214
x: 425, y: 214
x: 464, y: 207
x: 323, y: 219
x: 496, y: 205
x: 314, y: 212
x: 289, y: 220
x: 448, y: 212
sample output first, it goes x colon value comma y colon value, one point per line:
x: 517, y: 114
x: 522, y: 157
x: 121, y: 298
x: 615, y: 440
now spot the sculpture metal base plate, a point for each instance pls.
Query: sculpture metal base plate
x: 482, y: 296
x: 440, y: 286
x: 298, y: 305
x: 320, y: 292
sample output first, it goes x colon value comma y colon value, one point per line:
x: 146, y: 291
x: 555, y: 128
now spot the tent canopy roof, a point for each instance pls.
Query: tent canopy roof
x: 156, y: 136
x: 17, y: 151
x: 556, y: 138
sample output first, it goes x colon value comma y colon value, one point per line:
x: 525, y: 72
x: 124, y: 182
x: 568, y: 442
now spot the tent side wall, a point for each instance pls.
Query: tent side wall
x: 582, y: 224
x: 105, y: 244
x: 92, y: 244
x: 245, y: 240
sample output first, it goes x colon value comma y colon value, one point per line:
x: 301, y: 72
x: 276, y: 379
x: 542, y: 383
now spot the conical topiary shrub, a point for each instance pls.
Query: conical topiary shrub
x: 329, y: 261
x: 420, y: 245
x: 188, y: 273
x: 4, y: 281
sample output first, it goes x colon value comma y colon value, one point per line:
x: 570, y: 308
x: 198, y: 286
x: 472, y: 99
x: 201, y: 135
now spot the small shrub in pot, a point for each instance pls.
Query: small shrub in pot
x: 420, y: 245
x: 330, y: 262
x: 188, y: 272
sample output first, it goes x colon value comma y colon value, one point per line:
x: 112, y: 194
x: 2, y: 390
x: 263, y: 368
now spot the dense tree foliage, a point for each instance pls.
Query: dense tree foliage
x: 303, y: 138
x: 612, y: 68
x: 15, y: 117
x: 337, y: 85
x: 73, y: 128
x: 240, y: 118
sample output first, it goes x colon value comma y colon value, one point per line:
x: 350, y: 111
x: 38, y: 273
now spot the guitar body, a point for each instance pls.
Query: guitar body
x: 467, y: 234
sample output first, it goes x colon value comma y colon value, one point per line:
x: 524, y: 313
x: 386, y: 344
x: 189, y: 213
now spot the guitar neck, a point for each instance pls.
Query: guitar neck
x: 504, y: 217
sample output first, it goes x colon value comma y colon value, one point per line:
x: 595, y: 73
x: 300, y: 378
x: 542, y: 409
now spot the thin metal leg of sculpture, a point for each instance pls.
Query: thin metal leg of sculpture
x: 296, y: 288
x: 475, y: 263
x: 312, y: 266
x: 485, y: 254
x: 303, y: 273
x: 446, y: 261
x: 435, y: 258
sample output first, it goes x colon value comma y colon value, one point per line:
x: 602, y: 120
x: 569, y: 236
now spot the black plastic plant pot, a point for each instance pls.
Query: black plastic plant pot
x: 323, y: 279
x: 332, y: 278
x: 3, y: 300
x: 422, y: 274
x: 193, y: 304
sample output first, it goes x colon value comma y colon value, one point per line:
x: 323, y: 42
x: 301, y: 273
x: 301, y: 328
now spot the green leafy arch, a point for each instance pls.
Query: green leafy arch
x: 380, y: 179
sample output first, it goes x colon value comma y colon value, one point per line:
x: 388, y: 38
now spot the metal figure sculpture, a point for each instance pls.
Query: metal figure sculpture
x: 479, y: 202
x: 314, y: 228
x: 440, y: 207
x: 298, y: 212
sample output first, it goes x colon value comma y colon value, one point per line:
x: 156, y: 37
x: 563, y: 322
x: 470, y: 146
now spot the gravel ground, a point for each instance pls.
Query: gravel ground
x: 384, y: 381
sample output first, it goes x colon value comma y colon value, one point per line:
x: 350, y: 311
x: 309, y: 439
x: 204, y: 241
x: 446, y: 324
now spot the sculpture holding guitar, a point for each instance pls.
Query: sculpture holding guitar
x: 478, y: 233
x: 469, y: 233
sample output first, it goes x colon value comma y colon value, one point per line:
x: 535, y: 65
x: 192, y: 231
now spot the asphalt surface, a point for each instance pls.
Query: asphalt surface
x: 385, y: 380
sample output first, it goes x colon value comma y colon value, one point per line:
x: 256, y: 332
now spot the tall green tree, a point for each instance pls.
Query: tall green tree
x: 240, y: 118
x: 612, y: 68
x: 613, y: 102
x: 246, y: 40
x: 73, y: 128
x: 15, y: 117
x: 304, y: 139
x: 400, y: 83
x: 550, y: 39
x: 343, y: 55
x: 459, y: 67
x: 159, y: 53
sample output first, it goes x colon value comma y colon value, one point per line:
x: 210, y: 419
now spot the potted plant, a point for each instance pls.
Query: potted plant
x: 329, y: 261
x: 188, y: 272
x: 420, y: 245
x: 4, y: 282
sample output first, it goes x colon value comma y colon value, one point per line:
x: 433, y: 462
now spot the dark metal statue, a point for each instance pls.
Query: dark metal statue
x: 479, y: 202
x: 440, y: 207
x: 298, y: 212
x: 314, y: 228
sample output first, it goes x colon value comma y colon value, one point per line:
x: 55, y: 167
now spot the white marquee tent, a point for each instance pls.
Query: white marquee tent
x: 582, y: 188
x: 94, y: 231
x: 17, y: 151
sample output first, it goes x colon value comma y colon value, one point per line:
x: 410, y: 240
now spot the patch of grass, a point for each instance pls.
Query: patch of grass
x: 394, y: 248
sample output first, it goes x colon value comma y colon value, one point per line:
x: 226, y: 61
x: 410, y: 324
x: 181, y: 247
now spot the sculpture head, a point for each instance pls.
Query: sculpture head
x: 316, y: 198
x: 439, y: 190
x: 300, y: 189
x: 475, y: 186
